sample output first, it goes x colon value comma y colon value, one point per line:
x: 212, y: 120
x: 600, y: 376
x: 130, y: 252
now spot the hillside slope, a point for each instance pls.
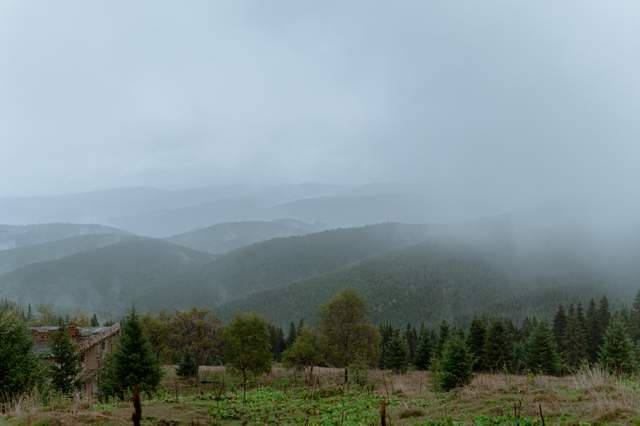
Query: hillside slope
x: 108, y: 279
x: 18, y: 257
x: 224, y: 237
x: 281, y: 261
x: 427, y: 283
x: 13, y: 236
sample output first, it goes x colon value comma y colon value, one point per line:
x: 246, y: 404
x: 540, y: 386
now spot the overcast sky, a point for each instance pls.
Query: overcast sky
x: 509, y: 97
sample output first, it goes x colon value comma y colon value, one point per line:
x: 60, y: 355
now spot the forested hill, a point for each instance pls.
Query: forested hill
x: 108, y: 280
x: 13, y: 236
x: 427, y: 283
x: 224, y: 237
x: 12, y: 259
x: 281, y: 261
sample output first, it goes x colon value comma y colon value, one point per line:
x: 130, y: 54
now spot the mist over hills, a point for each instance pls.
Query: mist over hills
x: 15, y: 258
x: 107, y: 280
x: 13, y: 236
x: 224, y: 237
x: 283, y: 268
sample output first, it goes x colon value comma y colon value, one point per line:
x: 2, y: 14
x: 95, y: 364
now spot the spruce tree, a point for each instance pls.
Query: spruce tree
x: 443, y: 336
x: 293, y: 333
x: 575, y: 339
x: 94, y: 321
x: 135, y: 366
x: 454, y: 366
x: 541, y: 354
x: 411, y: 339
x: 560, y: 328
x: 635, y: 318
x: 386, y: 334
x: 604, y: 315
x: 498, y: 347
x: 424, y: 350
x: 66, y: 362
x: 396, y: 357
x: 188, y: 366
x: 476, y: 342
x: 617, y: 354
x: 594, y: 334
x: 18, y: 366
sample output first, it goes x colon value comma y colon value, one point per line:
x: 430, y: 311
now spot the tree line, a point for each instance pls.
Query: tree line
x: 344, y: 337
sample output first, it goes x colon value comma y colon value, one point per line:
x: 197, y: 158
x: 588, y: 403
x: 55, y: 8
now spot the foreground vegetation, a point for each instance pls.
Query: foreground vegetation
x: 284, y: 397
x: 582, y: 368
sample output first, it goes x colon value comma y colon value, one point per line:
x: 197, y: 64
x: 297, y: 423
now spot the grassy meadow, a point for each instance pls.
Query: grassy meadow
x: 285, y: 397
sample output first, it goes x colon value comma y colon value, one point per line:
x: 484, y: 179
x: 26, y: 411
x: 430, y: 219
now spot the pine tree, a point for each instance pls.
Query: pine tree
x: 541, y: 353
x: 594, y: 334
x: 454, y: 367
x: 424, y: 350
x: 411, y: 339
x: 560, y: 328
x: 443, y: 336
x: 498, y: 347
x: 396, y: 357
x: 188, y: 366
x: 476, y: 342
x: 575, y: 339
x: 604, y: 315
x: 66, y: 362
x: 94, y: 321
x: 293, y: 333
x: 386, y: 334
x: 135, y: 364
x: 18, y: 365
x: 278, y: 342
x: 617, y: 354
x: 635, y: 318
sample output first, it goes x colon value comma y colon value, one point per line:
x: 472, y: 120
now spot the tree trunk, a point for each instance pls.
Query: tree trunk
x: 346, y: 375
x: 244, y: 388
x: 136, y: 417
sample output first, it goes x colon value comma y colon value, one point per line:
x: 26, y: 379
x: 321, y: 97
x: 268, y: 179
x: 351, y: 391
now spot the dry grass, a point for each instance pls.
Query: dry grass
x: 591, y: 395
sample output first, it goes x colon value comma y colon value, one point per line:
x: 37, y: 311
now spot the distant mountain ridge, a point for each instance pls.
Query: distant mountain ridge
x: 224, y: 237
x: 14, y: 236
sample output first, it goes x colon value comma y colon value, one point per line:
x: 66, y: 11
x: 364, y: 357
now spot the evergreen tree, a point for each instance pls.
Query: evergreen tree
x: 617, y: 354
x: 247, y: 347
x: 498, y: 347
x: 396, y: 357
x: 386, y: 334
x: 635, y: 318
x: 66, y: 362
x: 293, y: 333
x: 135, y: 366
x: 476, y: 342
x: 18, y: 366
x: 443, y: 336
x: 575, y: 339
x: 411, y: 339
x: 424, y: 350
x: 94, y: 321
x: 594, y: 333
x: 278, y: 342
x: 604, y: 315
x: 454, y: 367
x: 560, y: 328
x: 542, y: 356
x: 188, y: 366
